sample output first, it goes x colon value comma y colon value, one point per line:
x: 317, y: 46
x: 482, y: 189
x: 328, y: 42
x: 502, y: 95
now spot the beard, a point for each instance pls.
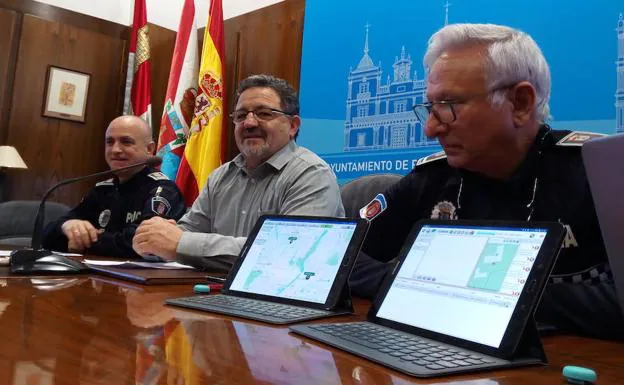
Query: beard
x: 255, y: 151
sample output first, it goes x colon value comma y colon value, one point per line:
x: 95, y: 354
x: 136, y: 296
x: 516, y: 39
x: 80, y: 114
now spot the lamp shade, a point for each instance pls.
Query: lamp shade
x: 10, y: 158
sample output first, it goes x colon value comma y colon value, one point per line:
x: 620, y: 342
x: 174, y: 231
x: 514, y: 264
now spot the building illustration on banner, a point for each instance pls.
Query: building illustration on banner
x: 619, y: 92
x: 359, y: 117
x: 379, y: 116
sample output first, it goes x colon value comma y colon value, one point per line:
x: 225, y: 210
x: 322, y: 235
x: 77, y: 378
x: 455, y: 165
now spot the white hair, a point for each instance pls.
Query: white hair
x: 513, y: 56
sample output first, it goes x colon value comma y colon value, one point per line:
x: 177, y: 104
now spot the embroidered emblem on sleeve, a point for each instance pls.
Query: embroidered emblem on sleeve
x: 377, y: 206
x: 160, y: 205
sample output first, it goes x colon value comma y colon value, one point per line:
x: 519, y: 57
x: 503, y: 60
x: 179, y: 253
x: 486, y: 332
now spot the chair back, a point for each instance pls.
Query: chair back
x: 17, y: 219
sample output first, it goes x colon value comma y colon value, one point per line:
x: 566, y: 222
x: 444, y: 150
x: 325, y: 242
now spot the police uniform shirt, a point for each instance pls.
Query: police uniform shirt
x: 118, y: 208
x: 549, y: 185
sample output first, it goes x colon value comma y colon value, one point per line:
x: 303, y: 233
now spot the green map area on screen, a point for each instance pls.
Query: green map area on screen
x: 492, y: 266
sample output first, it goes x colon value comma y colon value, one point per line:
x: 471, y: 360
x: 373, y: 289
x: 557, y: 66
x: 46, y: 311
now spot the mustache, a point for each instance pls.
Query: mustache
x: 253, y: 133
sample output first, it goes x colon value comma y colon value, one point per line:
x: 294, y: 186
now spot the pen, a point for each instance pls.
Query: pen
x: 215, y: 279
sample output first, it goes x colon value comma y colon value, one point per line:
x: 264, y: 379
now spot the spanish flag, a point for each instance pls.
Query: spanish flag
x: 206, y: 144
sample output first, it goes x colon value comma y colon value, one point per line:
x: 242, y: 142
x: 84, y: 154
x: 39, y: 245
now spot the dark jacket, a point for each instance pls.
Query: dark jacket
x: 432, y: 188
x: 552, y: 177
x: 118, y: 208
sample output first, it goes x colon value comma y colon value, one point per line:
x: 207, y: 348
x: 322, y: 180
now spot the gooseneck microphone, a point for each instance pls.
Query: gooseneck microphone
x: 35, y: 252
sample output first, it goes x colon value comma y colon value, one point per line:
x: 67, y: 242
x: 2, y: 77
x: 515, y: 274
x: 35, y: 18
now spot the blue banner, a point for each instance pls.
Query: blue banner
x: 362, y: 71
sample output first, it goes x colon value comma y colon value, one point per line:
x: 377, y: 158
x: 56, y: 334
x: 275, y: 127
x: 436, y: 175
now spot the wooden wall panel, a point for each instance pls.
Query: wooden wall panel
x: 265, y: 41
x: 9, y: 38
x: 268, y: 40
x: 56, y: 149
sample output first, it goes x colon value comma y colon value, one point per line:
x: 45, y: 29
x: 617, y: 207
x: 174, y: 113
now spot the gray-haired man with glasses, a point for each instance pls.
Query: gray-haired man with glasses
x: 488, y: 88
x: 271, y: 175
x: 444, y: 110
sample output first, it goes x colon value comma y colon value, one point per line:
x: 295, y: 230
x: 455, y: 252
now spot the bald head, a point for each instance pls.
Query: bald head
x: 128, y: 140
x: 133, y: 121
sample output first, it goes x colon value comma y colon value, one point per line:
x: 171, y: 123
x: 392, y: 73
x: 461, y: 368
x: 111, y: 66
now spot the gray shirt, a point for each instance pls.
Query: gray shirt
x: 293, y: 181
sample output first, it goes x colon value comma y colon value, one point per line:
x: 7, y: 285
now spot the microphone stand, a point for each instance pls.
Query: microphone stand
x: 35, y: 251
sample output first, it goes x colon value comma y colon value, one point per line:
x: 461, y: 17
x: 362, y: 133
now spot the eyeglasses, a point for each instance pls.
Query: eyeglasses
x: 263, y: 114
x: 444, y: 110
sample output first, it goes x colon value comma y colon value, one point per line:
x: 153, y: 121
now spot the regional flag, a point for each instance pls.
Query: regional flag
x: 137, y: 100
x: 179, y: 103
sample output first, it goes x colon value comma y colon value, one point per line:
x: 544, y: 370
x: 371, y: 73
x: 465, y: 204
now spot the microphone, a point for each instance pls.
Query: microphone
x: 35, y: 252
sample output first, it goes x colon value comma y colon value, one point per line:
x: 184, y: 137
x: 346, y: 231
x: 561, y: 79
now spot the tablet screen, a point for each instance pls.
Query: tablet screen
x: 294, y: 258
x: 463, y: 281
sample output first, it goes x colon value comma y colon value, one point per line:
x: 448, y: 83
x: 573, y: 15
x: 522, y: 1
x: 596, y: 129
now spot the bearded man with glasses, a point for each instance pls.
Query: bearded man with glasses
x: 271, y: 175
x: 488, y: 88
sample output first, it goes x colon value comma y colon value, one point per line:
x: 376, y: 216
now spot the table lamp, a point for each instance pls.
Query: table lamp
x: 9, y: 158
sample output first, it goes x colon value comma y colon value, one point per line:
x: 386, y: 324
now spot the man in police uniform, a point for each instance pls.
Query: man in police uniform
x: 106, y: 219
x: 488, y: 91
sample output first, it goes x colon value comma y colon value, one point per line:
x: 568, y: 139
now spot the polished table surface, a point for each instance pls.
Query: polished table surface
x: 89, y: 329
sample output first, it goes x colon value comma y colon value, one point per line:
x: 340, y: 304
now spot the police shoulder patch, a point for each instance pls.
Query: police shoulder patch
x: 157, y: 175
x: 107, y: 182
x: 431, y: 158
x: 578, y: 138
x: 375, y: 207
x: 160, y: 205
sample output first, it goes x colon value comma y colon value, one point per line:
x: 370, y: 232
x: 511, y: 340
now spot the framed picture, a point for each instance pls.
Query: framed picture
x: 66, y: 94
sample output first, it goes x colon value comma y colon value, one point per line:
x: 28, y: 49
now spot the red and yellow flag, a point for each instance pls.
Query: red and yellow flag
x: 137, y: 100
x: 206, y: 144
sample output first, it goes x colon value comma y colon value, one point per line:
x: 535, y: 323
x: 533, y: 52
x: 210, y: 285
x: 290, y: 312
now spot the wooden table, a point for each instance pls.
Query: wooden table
x: 89, y: 329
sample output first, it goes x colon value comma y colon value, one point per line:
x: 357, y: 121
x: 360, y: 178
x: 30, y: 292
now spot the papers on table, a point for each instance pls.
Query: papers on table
x: 6, y: 253
x: 67, y: 254
x: 4, y: 257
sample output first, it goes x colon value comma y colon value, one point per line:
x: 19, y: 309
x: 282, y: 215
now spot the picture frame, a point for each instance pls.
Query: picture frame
x: 66, y: 94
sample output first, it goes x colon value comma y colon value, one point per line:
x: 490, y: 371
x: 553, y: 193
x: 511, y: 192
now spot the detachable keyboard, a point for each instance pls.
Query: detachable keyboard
x: 405, y: 352
x: 266, y: 311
